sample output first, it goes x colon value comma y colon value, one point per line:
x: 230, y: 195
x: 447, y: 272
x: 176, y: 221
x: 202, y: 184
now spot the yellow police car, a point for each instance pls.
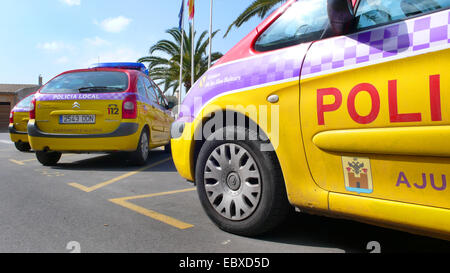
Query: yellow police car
x: 335, y: 107
x: 110, y: 107
x: 18, y: 120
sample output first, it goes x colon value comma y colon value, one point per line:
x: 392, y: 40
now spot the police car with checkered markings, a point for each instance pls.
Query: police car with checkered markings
x: 110, y: 107
x: 344, y: 109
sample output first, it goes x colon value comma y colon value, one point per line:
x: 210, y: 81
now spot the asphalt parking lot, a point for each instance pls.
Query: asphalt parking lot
x: 99, y: 203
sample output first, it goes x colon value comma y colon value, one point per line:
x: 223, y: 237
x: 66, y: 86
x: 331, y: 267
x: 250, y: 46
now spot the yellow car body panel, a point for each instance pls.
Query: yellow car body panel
x: 424, y: 220
x: 98, y: 144
x: 408, y: 160
x: 18, y: 137
x: 20, y: 126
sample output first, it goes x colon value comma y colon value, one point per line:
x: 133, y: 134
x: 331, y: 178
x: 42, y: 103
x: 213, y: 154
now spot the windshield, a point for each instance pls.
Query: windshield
x: 83, y: 82
x: 303, y: 22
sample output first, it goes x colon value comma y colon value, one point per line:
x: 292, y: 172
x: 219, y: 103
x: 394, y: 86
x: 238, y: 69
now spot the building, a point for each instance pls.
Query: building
x: 10, y: 95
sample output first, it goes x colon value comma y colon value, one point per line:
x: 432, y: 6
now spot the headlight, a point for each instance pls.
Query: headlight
x: 177, y: 128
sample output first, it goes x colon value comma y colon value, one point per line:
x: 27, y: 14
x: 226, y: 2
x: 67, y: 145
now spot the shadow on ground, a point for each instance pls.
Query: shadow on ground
x: 350, y: 236
x: 119, y: 162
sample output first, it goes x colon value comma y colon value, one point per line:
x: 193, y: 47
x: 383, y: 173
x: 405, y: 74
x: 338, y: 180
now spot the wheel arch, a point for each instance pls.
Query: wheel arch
x: 249, y: 123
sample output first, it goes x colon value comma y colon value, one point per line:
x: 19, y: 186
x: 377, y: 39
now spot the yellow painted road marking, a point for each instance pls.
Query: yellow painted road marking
x: 22, y: 162
x: 106, y: 183
x: 123, y: 201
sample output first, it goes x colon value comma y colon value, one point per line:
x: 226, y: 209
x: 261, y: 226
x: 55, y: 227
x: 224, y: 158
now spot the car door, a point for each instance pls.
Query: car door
x: 375, y: 105
x: 166, y: 115
x: 146, y: 112
x: 157, y: 118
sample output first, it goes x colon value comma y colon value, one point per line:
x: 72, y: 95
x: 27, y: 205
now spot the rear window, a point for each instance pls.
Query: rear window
x: 25, y: 103
x: 87, y: 82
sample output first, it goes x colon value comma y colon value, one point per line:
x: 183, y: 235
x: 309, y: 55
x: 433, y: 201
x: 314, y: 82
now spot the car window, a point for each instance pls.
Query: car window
x: 304, y: 21
x: 158, y: 92
x: 95, y: 81
x: 376, y: 12
x: 141, y: 89
x: 151, y: 91
x: 25, y: 103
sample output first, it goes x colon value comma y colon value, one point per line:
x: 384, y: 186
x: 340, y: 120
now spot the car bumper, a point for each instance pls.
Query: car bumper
x: 182, y: 152
x: 17, y: 136
x: 125, y: 138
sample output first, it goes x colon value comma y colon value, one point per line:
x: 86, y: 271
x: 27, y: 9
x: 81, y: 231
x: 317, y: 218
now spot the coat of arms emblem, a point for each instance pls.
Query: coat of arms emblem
x: 357, y: 174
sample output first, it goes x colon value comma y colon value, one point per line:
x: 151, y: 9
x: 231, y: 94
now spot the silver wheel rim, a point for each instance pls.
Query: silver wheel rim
x: 232, y: 182
x: 144, y: 146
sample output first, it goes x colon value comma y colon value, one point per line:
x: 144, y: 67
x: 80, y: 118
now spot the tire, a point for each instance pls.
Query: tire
x: 246, y: 195
x: 168, y: 148
x: 22, y: 146
x: 140, y: 156
x: 48, y: 158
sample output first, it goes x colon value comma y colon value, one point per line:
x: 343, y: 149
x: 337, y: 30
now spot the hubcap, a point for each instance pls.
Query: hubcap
x: 232, y: 181
x: 144, y: 145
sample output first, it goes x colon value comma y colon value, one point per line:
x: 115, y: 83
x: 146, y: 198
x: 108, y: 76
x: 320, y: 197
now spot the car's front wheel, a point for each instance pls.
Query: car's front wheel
x: 48, y: 158
x: 241, y: 188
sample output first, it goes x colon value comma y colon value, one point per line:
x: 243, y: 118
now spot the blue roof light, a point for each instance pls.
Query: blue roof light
x: 134, y: 66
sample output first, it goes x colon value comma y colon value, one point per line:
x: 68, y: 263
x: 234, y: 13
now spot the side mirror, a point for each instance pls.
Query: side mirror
x: 341, y: 16
x: 170, y: 105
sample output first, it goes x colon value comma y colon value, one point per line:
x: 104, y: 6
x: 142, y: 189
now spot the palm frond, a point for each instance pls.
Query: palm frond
x: 258, y: 8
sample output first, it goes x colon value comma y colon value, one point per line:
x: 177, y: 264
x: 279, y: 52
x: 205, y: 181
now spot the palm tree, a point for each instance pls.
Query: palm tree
x: 258, y: 8
x: 165, y: 68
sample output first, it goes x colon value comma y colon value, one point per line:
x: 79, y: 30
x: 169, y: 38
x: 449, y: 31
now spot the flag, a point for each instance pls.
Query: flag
x: 180, y: 15
x: 191, y: 9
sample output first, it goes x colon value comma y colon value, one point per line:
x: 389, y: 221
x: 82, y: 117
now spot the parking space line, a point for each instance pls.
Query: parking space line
x: 106, y: 183
x: 22, y: 162
x: 123, y: 201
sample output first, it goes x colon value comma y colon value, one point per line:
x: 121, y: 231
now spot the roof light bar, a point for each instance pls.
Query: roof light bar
x: 134, y: 66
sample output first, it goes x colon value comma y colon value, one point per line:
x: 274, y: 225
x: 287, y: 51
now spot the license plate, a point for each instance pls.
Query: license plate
x: 77, y: 119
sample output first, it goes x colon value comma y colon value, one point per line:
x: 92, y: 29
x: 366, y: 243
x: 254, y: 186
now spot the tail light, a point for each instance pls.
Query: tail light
x: 129, y: 107
x: 11, y: 117
x: 33, y: 109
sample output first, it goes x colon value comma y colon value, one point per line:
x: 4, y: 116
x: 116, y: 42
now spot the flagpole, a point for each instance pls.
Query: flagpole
x: 192, y: 54
x: 210, y: 33
x: 181, y: 61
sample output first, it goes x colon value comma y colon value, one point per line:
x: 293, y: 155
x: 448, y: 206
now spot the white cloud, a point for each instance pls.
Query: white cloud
x: 62, y: 60
x: 71, y: 2
x: 96, y: 41
x: 114, y: 25
x: 54, y: 46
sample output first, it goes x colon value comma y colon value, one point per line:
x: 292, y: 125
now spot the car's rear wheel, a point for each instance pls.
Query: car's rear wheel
x: 167, y: 148
x: 140, y: 156
x: 241, y: 188
x: 48, y: 158
x: 22, y: 146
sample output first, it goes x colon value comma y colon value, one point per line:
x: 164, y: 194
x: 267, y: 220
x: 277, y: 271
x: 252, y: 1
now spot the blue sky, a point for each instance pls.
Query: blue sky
x: 51, y: 36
